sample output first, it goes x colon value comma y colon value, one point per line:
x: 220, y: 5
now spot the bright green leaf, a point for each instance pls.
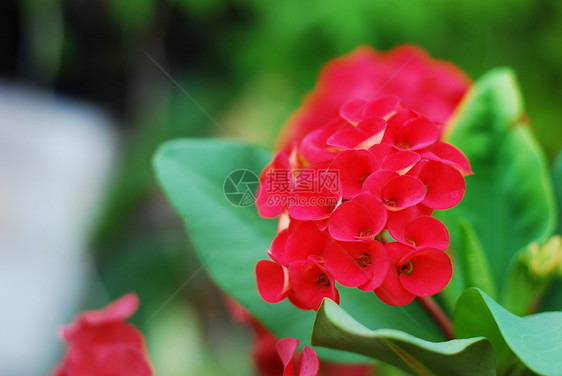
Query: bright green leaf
x: 335, y: 328
x: 230, y: 240
x: 509, y: 199
x: 536, y: 339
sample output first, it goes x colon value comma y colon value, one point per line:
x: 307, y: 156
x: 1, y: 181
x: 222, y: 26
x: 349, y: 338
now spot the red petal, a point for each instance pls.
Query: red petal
x: 353, y: 110
x: 309, y: 364
x: 117, y: 311
x: 353, y: 167
x: 277, y: 251
x: 355, y: 264
x: 431, y: 272
x: 313, y: 147
x: 362, y: 217
x: 452, y: 156
x: 416, y: 134
x: 118, y: 360
x: 398, y: 220
x: 445, y: 184
x: 402, y: 191
x: 391, y: 290
x: 427, y: 232
x: 305, y: 240
x: 271, y: 280
x: 375, y: 182
x: 115, y: 333
x: 367, y: 133
x: 395, y: 122
x: 401, y: 161
x: 312, y: 204
x: 381, y: 107
x: 311, y: 283
x: 276, y: 182
x: 287, y: 348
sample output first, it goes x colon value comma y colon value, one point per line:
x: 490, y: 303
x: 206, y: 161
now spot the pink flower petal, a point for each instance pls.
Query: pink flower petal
x: 431, y: 271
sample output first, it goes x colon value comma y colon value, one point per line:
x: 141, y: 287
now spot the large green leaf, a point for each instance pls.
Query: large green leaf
x: 509, y: 200
x: 230, y: 240
x: 335, y: 328
x: 536, y: 339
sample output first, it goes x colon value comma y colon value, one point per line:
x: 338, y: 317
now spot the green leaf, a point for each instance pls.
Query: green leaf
x: 552, y: 301
x: 335, y: 328
x: 536, y: 339
x: 476, y: 271
x: 509, y: 199
x: 230, y: 240
x: 557, y: 181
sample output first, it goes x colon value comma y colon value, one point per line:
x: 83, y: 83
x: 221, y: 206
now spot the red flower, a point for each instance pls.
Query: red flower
x: 431, y: 87
x: 102, y: 343
x: 413, y: 272
x: 360, y: 164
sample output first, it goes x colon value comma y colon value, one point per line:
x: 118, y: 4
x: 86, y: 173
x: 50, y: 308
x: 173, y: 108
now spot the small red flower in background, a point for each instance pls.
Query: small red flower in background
x: 274, y: 357
x: 379, y: 141
x: 102, y: 343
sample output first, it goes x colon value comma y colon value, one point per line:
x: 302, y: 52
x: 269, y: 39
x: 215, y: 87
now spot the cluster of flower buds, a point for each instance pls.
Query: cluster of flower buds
x: 354, y: 199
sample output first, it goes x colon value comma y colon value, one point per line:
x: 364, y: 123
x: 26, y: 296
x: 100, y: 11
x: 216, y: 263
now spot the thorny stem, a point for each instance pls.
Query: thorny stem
x: 437, y: 314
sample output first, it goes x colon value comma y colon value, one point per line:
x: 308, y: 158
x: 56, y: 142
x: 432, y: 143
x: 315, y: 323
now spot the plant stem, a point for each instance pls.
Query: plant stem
x: 437, y: 314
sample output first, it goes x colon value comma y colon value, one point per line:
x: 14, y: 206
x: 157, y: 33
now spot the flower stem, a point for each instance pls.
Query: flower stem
x: 437, y: 314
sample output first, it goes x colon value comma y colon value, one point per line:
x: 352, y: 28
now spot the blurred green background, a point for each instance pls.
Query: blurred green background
x: 248, y: 63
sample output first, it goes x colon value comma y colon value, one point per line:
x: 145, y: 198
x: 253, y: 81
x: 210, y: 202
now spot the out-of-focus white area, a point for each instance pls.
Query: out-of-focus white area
x: 55, y: 158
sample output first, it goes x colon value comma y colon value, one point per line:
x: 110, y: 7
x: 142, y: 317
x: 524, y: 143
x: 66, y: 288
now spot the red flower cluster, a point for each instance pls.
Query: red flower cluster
x: 372, y: 174
x: 431, y: 87
x: 101, y: 343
